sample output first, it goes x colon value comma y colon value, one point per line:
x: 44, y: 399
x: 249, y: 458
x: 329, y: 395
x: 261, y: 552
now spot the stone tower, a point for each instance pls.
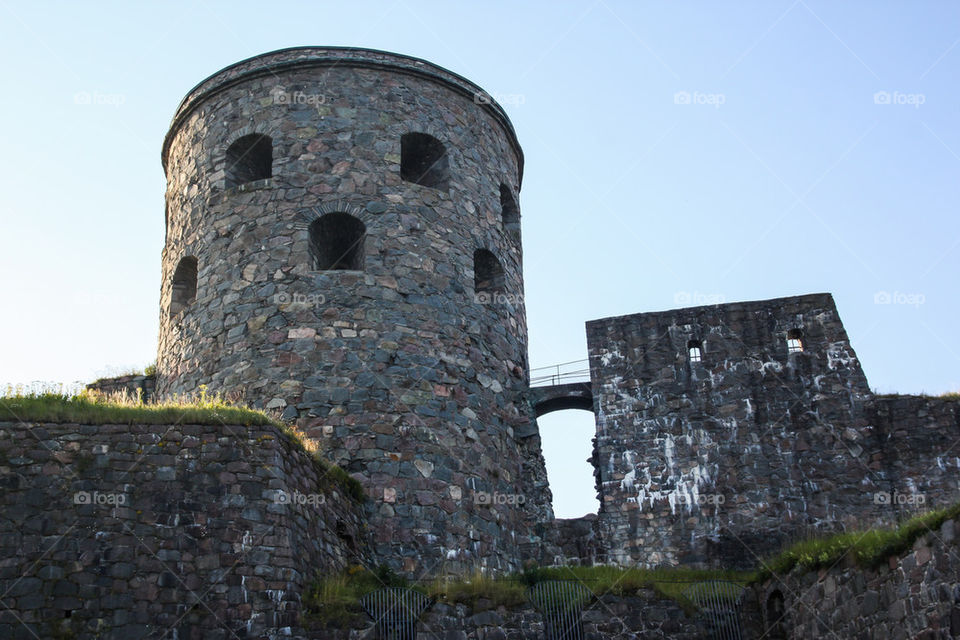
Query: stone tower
x: 343, y: 247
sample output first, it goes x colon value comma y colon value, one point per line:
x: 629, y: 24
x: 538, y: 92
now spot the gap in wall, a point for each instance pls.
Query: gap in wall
x: 567, y: 440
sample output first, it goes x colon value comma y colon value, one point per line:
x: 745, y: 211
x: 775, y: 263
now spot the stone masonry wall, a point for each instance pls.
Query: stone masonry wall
x: 920, y: 452
x: 408, y: 379
x: 719, y: 462
x: 573, y: 541
x: 133, y: 386
x: 915, y: 595
x: 187, y: 531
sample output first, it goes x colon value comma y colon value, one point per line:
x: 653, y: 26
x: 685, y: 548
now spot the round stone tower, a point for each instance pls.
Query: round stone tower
x: 343, y: 247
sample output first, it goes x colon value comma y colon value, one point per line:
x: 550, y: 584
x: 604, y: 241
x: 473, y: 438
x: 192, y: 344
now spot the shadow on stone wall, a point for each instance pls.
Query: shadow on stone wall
x: 913, y: 595
x: 134, y: 531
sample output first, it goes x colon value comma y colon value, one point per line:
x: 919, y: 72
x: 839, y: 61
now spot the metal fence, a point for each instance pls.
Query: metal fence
x: 561, y: 604
x: 563, y: 373
x: 719, y: 604
x: 395, y: 611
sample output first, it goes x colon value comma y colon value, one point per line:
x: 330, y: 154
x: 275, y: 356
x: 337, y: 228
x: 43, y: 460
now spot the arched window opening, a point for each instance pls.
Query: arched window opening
x: 776, y: 617
x: 794, y: 341
x: 487, y: 272
x: 508, y: 206
x: 695, y: 351
x: 249, y: 158
x: 423, y: 159
x: 336, y: 242
x: 184, y: 285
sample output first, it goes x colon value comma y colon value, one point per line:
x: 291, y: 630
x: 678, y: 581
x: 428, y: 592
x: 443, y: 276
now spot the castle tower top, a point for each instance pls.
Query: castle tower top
x: 281, y: 60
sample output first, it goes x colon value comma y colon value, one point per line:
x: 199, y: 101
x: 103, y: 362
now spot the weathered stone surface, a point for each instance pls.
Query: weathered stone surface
x: 722, y: 460
x: 400, y: 342
x: 128, y: 546
x: 897, y: 600
x: 133, y: 386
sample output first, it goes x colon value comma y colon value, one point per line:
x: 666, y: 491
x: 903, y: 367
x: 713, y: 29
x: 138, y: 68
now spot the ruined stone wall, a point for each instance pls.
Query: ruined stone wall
x: 408, y: 379
x: 720, y: 461
x: 188, y: 531
x: 143, y: 387
x: 914, y: 595
x: 920, y: 460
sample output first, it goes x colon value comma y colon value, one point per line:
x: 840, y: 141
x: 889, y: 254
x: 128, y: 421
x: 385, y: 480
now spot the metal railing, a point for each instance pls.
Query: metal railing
x: 563, y: 373
x: 561, y: 604
x: 395, y: 611
x: 719, y: 603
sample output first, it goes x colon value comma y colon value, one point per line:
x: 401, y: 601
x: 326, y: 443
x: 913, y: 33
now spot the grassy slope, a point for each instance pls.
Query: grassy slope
x: 864, y: 548
x: 92, y: 408
x: 335, y: 599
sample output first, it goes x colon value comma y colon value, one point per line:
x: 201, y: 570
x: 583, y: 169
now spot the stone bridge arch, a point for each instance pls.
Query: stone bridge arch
x: 558, y: 397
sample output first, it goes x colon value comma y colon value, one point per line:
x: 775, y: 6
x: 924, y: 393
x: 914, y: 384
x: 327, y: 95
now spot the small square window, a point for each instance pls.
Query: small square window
x: 794, y: 341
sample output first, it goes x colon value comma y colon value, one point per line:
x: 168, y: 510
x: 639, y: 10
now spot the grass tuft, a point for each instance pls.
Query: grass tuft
x: 480, y: 591
x: 336, y: 595
x: 670, y: 583
x: 865, y: 548
x: 333, y: 597
x: 91, y: 407
x: 334, y: 600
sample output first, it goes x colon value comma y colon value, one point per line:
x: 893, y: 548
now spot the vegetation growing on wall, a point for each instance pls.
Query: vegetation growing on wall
x: 336, y: 599
x: 89, y: 407
x: 865, y: 548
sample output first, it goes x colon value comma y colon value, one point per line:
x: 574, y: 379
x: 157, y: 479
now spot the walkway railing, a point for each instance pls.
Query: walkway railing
x: 563, y: 373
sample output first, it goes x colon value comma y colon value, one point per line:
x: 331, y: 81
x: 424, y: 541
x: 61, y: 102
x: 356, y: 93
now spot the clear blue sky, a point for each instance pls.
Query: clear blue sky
x: 785, y: 174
